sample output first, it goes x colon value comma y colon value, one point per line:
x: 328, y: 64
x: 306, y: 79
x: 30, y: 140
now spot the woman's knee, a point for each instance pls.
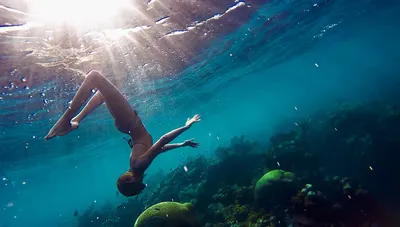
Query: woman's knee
x: 94, y: 76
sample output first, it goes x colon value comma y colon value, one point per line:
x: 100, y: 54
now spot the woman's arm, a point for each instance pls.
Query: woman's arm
x: 165, y: 139
x: 168, y: 147
x: 190, y: 143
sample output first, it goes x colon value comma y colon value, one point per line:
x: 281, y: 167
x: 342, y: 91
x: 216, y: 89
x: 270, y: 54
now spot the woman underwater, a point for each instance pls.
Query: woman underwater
x: 127, y: 121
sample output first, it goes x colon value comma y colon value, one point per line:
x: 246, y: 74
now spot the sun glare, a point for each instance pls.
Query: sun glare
x: 79, y: 13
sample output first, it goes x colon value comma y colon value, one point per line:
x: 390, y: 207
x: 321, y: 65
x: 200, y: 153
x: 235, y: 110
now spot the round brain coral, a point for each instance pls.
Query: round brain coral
x: 276, y: 186
x: 168, y: 214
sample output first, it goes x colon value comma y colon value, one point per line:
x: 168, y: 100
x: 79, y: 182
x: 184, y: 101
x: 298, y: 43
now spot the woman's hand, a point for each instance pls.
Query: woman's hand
x: 194, y: 119
x: 191, y: 143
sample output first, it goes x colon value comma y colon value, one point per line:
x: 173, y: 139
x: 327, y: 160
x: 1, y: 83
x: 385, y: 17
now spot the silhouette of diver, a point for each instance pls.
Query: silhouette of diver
x: 127, y: 121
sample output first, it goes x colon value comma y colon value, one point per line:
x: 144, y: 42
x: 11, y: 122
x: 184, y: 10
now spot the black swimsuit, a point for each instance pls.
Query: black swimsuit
x: 131, y: 143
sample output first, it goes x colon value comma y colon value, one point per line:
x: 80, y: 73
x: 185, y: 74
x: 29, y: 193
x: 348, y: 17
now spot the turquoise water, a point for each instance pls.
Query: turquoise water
x: 284, y: 60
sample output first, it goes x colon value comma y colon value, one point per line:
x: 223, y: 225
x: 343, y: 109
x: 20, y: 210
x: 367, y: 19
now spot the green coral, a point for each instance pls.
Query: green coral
x: 273, y: 177
x: 275, y: 186
x: 167, y: 214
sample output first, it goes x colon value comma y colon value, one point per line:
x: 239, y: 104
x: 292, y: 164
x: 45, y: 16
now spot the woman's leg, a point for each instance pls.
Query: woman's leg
x: 94, y: 102
x: 115, y: 101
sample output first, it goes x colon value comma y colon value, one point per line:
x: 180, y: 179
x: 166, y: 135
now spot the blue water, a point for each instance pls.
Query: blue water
x: 284, y: 60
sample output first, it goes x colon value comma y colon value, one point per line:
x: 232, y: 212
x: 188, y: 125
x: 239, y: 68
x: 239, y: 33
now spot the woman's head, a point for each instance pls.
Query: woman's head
x: 130, y: 185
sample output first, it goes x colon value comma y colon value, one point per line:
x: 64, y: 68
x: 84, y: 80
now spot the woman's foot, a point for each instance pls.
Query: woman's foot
x: 61, y: 128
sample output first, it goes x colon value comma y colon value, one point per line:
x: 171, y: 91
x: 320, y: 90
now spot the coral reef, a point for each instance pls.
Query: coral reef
x: 339, y: 202
x: 293, y: 182
x: 110, y: 216
x: 239, y: 146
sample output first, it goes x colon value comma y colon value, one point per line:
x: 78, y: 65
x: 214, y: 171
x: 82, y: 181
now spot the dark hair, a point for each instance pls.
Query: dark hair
x: 127, y: 187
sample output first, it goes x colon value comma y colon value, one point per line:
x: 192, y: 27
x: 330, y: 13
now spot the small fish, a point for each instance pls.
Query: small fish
x: 76, y: 213
x: 120, y: 206
x: 116, y: 193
